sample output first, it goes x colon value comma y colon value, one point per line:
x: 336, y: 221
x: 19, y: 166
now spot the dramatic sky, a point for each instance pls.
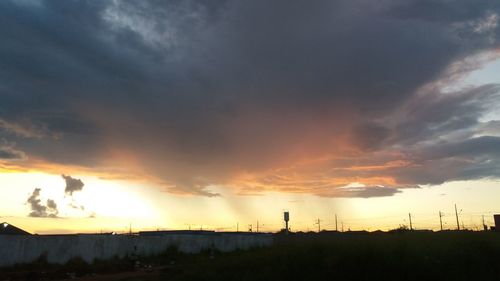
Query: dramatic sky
x: 175, y: 113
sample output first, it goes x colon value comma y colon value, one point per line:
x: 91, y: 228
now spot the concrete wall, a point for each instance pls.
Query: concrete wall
x: 16, y: 249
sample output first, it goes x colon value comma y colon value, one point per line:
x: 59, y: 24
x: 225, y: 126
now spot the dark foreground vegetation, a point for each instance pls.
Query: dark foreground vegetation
x: 405, y: 255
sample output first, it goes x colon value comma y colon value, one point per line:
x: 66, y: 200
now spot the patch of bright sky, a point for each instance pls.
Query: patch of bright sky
x: 114, y: 203
x: 474, y: 199
x: 488, y: 73
x: 118, y: 204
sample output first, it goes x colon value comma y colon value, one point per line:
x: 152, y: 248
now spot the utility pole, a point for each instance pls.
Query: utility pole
x: 456, y: 215
x: 484, y: 225
x: 336, y: 227
x: 411, y: 226
x: 257, y: 226
x: 342, y: 226
x: 318, y: 222
x: 441, y: 220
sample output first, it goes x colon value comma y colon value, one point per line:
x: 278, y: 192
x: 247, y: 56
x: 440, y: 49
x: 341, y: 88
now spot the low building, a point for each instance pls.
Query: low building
x: 177, y: 232
x: 497, y: 222
x: 9, y: 229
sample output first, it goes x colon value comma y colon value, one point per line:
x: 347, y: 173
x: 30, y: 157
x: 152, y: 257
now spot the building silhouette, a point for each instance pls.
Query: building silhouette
x: 9, y: 229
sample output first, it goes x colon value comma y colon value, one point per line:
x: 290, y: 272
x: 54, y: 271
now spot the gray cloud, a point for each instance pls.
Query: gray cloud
x: 72, y: 185
x: 40, y: 210
x: 366, y: 192
x: 197, y: 93
x: 50, y: 209
x: 24, y: 128
x: 51, y: 205
x: 9, y: 153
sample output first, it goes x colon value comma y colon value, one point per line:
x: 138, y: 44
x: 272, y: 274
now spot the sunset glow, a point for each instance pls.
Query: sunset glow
x: 119, y: 116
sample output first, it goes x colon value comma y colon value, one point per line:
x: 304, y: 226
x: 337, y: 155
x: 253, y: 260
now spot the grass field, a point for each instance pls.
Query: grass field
x: 406, y: 255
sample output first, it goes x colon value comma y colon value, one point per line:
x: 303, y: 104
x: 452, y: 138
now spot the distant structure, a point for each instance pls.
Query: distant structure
x: 286, y: 217
x: 497, y: 222
x: 9, y: 229
x: 177, y: 232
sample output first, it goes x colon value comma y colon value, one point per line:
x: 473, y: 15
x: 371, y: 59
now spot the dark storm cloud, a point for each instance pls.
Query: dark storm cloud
x: 433, y: 114
x: 469, y: 159
x: 198, y: 93
x: 40, y: 210
x: 475, y: 147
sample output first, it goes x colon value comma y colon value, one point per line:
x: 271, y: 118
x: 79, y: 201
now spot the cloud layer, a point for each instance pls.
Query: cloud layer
x: 292, y: 96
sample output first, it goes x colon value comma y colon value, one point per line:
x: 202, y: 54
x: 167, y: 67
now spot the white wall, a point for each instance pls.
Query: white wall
x: 15, y: 249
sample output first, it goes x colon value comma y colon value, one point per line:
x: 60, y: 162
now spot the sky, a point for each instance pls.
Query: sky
x: 119, y: 115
